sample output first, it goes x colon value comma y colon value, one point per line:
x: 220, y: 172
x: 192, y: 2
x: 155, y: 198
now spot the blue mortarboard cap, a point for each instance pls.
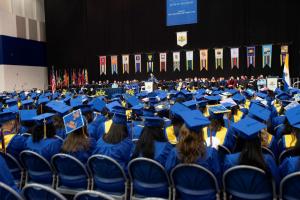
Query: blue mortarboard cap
x: 294, y: 91
x: 194, y: 120
x: 153, y: 121
x: 98, y: 104
x: 192, y: 104
x: 261, y: 95
x: 43, y: 100
x: 217, y: 112
x: 148, y: 112
x: 178, y: 108
x: 233, y: 91
x: 132, y: 101
x: 248, y: 128
x: 199, y: 97
x: 6, y: 116
x: 138, y: 109
x: 249, y: 92
x: 293, y: 115
x: 13, y: 109
x: 283, y: 96
x: 67, y: 98
x: 277, y: 91
x: 259, y: 112
x: 76, y: 102
x: 119, y: 109
x: 111, y: 105
x: 85, y: 108
x: 162, y: 96
x: 238, y: 98
x: 11, y: 102
x: 213, y: 98
x: 46, y: 117
x: 27, y: 102
x: 27, y: 115
x: 61, y: 108
x: 119, y: 118
x: 200, y: 91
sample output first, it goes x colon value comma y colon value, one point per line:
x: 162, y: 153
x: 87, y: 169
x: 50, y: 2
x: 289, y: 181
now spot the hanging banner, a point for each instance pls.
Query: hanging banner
x: 176, y: 61
x: 250, y: 57
x: 203, y: 59
x: 234, y: 57
x: 182, y: 38
x: 114, y: 65
x: 267, y: 55
x: 102, y: 62
x: 150, y: 63
x: 189, y: 60
x: 219, y: 58
x: 125, y: 62
x: 284, y: 52
x: 163, y: 62
x: 138, y: 63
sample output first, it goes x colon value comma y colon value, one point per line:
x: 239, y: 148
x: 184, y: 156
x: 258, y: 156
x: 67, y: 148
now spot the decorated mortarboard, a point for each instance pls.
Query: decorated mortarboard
x: 293, y: 115
x: 262, y: 113
x: 6, y: 116
x: 73, y: 121
x: 111, y: 105
x: 248, y: 128
x: 153, y: 121
x: 119, y: 118
x: 192, y: 104
x: 194, y: 120
x: 27, y: 115
x: 11, y: 102
x: 238, y: 98
x: 177, y: 108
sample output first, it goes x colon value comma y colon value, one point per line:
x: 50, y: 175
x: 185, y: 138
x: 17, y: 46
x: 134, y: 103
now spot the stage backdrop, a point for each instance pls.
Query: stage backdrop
x: 78, y: 31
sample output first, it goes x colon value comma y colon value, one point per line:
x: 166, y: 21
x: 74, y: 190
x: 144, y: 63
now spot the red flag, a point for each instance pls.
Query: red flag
x: 66, y: 78
x: 53, y: 82
x: 74, y: 77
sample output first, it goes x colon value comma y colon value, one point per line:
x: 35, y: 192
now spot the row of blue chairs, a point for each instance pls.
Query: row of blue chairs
x: 147, y: 178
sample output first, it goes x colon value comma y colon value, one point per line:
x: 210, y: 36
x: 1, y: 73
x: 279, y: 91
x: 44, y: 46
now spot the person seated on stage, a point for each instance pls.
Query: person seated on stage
x: 191, y: 146
x: 79, y: 144
x: 43, y: 140
x: 6, y: 178
x: 249, y: 132
x: 152, y: 142
x: 117, y: 142
x: 231, y: 83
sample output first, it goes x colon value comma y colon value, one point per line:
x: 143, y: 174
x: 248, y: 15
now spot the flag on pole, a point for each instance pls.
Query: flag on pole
x: 284, y: 52
x: 189, y: 60
x: 219, y: 58
x: 125, y: 62
x: 102, y: 63
x: 87, y: 76
x: 137, y: 63
x: 163, y: 62
x: 234, y: 57
x: 66, y: 78
x: 74, y: 77
x: 286, y: 73
x: 53, y: 81
x: 176, y: 61
x: 267, y: 55
x: 250, y: 56
x: 150, y: 63
x: 203, y: 59
x: 114, y: 65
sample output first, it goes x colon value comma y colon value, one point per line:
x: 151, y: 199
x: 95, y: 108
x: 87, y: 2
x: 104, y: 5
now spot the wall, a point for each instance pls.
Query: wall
x: 22, y: 45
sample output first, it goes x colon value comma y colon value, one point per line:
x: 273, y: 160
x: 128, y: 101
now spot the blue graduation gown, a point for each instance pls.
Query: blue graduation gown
x: 61, y: 133
x: 6, y: 177
x: 233, y: 160
x: 16, y: 145
x: 45, y: 147
x: 96, y: 127
x: 121, y: 152
x: 289, y: 165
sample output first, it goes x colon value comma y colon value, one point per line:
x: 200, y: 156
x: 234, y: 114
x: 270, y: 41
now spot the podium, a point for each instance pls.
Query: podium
x: 150, y: 86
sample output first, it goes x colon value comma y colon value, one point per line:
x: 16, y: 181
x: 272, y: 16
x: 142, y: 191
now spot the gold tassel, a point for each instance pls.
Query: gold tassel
x: 45, y: 129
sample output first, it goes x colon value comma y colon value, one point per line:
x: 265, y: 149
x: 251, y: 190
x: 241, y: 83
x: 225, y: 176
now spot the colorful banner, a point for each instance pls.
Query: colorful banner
x: 176, y: 61
x: 203, y: 59
x: 138, y: 63
x: 114, y: 65
x: 150, y: 63
x: 163, y: 62
x: 102, y: 63
x: 219, y: 58
x: 189, y: 60
x: 250, y: 56
x: 267, y: 55
x: 284, y: 52
x: 234, y: 52
x: 125, y: 63
x: 181, y: 38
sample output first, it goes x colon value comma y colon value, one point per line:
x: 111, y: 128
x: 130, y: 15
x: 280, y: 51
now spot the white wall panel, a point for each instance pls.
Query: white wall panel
x: 30, y: 8
x: 23, y: 77
x: 8, y: 24
x: 40, y: 13
x: 18, y: 7
x: 5, y: 6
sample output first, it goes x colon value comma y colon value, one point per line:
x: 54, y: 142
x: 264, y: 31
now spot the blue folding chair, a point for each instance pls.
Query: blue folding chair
x: 248, y: 182
x: 148, y: 179
x: 108, y: 176
x: 15, y: 168
x: 71, y: 175
x: 38, y: 169
x: 37, y: 192
x: 92, y: 195
x: 191, y: 181
x: 290, y: 187
x: 7, y: 193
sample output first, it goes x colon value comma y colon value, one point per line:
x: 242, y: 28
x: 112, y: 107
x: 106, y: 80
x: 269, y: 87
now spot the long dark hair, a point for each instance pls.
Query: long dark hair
x: 252, y: 154
x: 38, y: 132
x: 116, y: 134
x: 145, y: 144
x: 216, y: 124
x: 76, y: 141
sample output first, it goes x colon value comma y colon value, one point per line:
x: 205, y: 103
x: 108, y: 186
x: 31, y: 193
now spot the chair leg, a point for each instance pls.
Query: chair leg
x: 174, y: 193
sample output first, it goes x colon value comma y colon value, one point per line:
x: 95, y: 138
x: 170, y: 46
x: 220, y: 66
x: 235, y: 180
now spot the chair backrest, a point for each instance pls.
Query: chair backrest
x: 12, y: 163
x: 290, y: 187
x: 7, y: 193
x: 248, y: 182
x: 224, y: 150
x: 266, y: 150
x: 286, y: 153
x: 38, y: 191
x: 105, y: 171
x: 92, y: 195
x: 194, y: 180
x: 36, y: 166
x: 69, y: 170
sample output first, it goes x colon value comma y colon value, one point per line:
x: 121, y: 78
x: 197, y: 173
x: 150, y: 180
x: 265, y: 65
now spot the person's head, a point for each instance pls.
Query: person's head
x: 38, y: 132
x: 118, y: 130
x: 76, y: 141
x: 191, y: 145
x: 58, y: 122
x: 216, y: 123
